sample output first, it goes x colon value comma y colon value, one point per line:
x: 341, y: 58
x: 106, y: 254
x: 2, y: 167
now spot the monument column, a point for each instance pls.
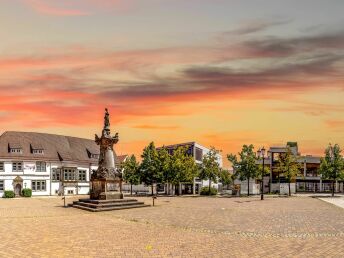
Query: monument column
x: 106, y: 182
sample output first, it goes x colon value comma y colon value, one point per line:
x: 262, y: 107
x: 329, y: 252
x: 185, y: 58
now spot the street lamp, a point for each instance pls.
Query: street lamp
x: 261, y: 154
x: 332, y: 163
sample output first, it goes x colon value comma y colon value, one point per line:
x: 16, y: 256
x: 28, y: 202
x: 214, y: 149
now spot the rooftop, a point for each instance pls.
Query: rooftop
x: 55, y: 147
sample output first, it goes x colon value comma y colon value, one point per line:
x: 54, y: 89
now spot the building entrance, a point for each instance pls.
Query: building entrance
x: 17, y: 190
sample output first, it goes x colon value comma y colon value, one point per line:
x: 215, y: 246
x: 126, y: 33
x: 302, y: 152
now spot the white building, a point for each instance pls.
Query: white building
x: 46, y: 163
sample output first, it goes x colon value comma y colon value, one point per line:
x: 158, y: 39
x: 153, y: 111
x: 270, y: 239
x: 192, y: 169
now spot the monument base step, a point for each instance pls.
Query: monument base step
x: 107, y: 205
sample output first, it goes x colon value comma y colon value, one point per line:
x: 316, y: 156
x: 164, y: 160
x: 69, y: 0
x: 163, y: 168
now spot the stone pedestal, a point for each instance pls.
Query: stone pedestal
x: 105, y: 189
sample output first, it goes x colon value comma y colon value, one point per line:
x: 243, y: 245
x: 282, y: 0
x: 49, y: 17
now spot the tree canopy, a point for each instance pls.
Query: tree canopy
x: 332, y: 165
x: 246, y: 166
x: 150, y: 167
x: 131, y: 170
x: 210, y: 168
x: 288, y: 166
x: 183, y: 167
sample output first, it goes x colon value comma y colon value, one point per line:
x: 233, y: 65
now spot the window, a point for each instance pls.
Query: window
x: 1, y: 185
x: 82, y: 175
x: 16, y: 150
x: 70, y: 191
x: 17, y: 166
x: 199, y: 154
x: 56, y: 174
x: 38, y: 185
x: 2, y: 167
x: 69, y: 174
x: 37, y: 151
x: 41, y: 166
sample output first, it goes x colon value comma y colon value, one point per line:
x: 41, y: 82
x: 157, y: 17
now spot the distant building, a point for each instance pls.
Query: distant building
x: 308, y: 180
x: 46, y: 163
x: 197, y: 151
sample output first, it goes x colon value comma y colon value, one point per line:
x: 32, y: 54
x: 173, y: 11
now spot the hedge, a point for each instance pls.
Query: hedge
x: 205, y: 191
x: 8, y: 194
x: 26, y: 192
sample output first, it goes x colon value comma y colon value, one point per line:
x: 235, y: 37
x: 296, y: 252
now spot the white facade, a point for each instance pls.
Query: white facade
x: 43, y: 182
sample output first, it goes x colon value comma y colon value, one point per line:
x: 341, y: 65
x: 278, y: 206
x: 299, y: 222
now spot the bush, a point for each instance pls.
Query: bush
x: 9, y: 194
x: 26, y: 192
x: 205, y: 191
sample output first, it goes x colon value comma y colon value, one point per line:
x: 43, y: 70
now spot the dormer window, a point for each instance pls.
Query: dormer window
x: 95, y: 156
x: 16, y: 150
x: 92, y: 154
x: 37, y: 151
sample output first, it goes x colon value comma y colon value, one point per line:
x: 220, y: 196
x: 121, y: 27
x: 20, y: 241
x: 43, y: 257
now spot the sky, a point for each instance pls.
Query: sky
x: 219, y: 72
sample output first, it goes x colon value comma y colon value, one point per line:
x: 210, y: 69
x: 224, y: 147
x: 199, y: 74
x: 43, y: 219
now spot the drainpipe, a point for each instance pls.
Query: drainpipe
x: 50, y: 179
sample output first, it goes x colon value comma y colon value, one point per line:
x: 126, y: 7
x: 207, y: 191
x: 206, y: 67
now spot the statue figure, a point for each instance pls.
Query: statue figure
x: 106, y: 120
x: 106, y: 164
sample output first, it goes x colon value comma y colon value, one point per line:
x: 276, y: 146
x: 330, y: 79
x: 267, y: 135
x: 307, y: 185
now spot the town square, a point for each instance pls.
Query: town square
x: 174, y: 227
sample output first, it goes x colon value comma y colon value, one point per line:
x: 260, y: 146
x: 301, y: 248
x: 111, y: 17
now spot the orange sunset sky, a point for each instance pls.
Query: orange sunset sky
x: 220, y: 72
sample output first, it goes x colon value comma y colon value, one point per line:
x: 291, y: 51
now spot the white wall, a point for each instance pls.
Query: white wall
x: 254, y: 188
x: 284, y: 188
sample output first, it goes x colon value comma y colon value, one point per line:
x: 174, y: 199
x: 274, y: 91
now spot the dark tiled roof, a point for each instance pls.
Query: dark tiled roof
x: 67, y: 147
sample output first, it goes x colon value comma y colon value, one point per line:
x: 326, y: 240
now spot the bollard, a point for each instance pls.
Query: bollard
x: 154, y: 197
x: 64, y: 201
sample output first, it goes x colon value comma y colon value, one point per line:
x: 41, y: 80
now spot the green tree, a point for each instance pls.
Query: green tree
x: 225, y: 177
x: 246, y: 166
x: 131, y: 172
x: 288, y: 166
x: 210, y: 168
x: 150, y: 167
x: 332, y: 165
x: 165, y: 166
x: 183, y: 167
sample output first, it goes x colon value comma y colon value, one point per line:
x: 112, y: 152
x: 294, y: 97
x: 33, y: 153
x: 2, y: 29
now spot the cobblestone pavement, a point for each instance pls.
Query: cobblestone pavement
x: 178, y: 227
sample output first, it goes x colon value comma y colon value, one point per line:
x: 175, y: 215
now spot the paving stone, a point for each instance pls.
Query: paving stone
x: 175, y: 227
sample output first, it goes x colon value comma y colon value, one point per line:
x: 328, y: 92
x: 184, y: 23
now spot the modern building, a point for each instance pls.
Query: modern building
x: 308, y: 179
x: 46, y: 163
x: 197, y: 151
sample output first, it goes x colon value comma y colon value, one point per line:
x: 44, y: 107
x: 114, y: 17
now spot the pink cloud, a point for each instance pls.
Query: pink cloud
x: 76, y: 7
x: 44, y: 7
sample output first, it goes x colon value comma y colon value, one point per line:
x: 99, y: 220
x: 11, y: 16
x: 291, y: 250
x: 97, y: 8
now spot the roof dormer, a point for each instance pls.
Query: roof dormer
x: 15, y: 148
x: 36, y: 149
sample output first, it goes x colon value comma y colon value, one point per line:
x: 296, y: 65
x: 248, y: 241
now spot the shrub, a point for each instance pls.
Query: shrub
x: 8, y: 194
x: 205, y: 191
x: 27, y: 192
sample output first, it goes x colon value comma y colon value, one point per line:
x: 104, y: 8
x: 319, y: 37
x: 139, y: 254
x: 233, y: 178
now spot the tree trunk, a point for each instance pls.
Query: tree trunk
x: 333, y: 188
x: 131, y: 189
x: 152, y: 190
x: 289, y: 188
x: 248, y: 186
x: 209, y: 186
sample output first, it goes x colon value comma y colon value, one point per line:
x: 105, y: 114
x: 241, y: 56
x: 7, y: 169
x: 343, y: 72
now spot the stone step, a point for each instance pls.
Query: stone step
x: 109, y: 204
x: 107, y: 201
x: 78, y: 206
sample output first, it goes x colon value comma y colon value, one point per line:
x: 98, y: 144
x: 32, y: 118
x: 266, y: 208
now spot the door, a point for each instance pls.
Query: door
x: 17, y: 190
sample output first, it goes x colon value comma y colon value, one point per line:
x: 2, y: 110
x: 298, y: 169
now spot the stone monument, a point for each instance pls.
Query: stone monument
x: 106, y: 181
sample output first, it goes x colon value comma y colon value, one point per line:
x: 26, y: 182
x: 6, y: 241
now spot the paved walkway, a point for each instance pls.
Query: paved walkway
x: 176, y: 227
x: 338, y: 201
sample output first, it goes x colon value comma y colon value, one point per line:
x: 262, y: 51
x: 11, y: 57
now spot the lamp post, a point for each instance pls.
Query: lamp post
x: 332, y: 163
x: 261, y: 154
